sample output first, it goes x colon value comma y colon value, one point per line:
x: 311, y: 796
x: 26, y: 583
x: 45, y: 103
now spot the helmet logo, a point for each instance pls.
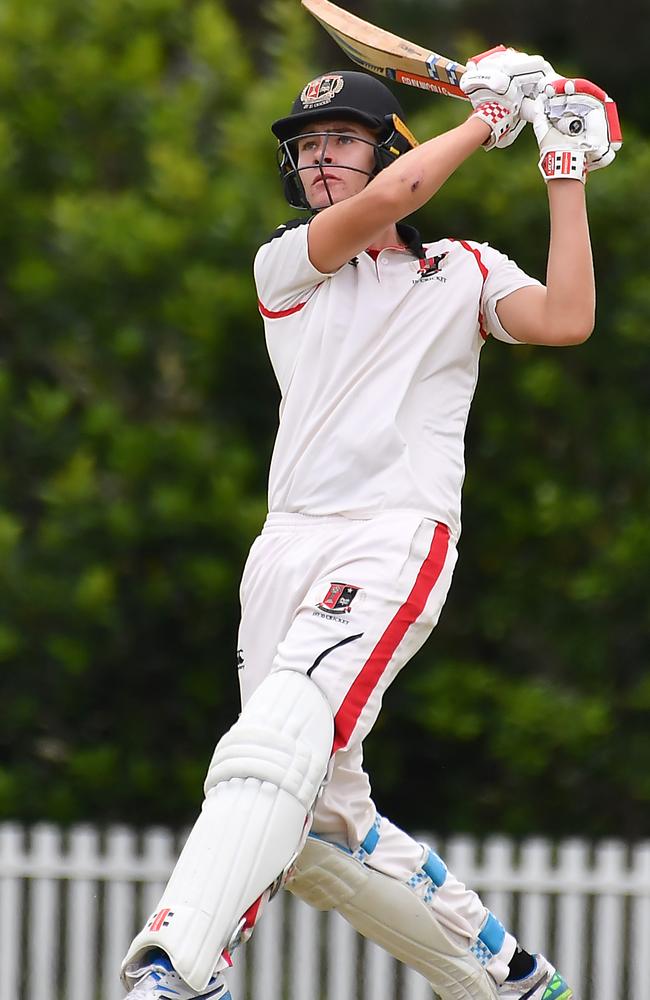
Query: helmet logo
x: 321, y: 91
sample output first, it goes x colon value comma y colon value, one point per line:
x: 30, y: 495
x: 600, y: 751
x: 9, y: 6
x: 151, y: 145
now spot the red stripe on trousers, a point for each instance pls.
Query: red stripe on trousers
x: 366, y: 681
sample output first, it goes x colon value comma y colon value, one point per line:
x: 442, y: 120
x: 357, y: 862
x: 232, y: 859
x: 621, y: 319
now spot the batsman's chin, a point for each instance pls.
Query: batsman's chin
x: 324, y: 191
x: 320, y: 199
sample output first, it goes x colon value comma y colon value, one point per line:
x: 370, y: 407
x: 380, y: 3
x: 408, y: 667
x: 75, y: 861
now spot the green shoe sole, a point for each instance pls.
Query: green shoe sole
x: 557, y: 989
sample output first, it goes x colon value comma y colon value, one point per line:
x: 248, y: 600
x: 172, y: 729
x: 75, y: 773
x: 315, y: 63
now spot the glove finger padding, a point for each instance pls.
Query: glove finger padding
x: 577, y: 128
x: 496, y: 82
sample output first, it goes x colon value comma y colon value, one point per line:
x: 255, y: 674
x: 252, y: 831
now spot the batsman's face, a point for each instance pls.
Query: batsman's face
x: 336, y: 162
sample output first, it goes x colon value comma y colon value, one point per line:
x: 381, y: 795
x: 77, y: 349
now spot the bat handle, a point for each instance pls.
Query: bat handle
x: 527, y: 109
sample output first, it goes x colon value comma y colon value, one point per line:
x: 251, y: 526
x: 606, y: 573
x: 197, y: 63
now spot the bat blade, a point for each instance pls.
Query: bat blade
x: 386, y: 54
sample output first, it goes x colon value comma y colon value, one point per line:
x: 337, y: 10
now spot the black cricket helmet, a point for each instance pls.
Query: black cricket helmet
x: 345, y: 95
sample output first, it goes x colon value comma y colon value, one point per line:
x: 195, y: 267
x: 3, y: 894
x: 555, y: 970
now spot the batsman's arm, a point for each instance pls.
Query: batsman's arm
x: 343, y: 230
x: 577, y: 128
x: 563, y: 312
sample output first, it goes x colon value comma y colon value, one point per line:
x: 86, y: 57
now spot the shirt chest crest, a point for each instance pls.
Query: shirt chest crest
x: 429, y: 269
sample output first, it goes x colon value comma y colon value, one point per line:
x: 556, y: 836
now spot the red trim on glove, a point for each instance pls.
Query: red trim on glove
x: 587, y: 87
x: 614, y: 125
x: 582, y: 87
x: 488, y: 52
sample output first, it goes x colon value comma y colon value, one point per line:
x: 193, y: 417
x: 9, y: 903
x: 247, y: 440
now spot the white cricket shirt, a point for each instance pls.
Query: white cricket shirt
x: 377, y: 365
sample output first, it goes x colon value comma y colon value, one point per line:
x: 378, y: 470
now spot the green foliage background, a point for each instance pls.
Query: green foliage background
x: 138, y: 410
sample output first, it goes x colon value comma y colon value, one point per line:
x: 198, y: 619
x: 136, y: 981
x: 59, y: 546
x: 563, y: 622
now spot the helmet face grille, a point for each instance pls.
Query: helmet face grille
x: 291, y: 172
x: 345, y: 96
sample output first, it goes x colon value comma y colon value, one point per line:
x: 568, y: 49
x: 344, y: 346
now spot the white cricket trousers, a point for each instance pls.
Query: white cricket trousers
x: 347, y: 602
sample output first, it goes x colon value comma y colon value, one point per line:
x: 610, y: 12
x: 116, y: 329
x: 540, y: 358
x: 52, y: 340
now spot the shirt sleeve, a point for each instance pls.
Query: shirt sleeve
x: 285, y: 277
x: 503, y: 277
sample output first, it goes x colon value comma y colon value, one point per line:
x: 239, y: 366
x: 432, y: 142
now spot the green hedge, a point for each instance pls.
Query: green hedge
x: 137, y: 414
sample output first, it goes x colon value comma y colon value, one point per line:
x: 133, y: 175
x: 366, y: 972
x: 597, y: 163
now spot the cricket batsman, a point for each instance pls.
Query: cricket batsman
x: 375, y: 339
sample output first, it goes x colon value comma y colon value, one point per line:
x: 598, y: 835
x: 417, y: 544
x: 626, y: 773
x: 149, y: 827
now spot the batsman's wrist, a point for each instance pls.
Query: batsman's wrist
x: 563, y: 164
x: 499, y: 119
x: 480, y: 129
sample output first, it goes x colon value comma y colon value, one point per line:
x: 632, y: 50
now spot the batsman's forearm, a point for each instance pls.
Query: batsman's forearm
x: 414, y: 178
x: 571, y: 293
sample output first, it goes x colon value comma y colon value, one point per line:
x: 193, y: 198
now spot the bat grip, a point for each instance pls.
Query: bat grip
x: 527, y: 109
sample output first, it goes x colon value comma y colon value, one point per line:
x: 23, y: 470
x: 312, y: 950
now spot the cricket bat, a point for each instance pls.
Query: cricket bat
x: 381, y: 52
x: 386, y: 54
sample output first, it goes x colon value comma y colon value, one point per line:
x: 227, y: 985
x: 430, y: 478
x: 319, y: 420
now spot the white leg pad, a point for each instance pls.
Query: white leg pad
x: 392, y: 915
x: 261, y: 786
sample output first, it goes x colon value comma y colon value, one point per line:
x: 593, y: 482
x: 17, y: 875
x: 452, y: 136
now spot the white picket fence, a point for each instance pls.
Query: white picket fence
x: 70, y: 901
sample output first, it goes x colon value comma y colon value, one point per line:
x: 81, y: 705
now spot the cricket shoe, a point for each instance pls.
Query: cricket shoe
x: 543, y: 983
x: 158, y: 980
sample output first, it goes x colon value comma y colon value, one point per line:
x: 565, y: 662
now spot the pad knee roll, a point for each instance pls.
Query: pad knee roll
x: 284, y: 736
x: 262, y: 782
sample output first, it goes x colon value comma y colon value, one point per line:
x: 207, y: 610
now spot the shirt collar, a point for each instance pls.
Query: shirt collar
x: 408, y: 236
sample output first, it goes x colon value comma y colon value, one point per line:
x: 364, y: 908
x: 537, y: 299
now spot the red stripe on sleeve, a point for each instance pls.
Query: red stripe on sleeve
x: 364, y: 684
x: 484, y: 273
x: 477, y: 257
x: 269, y: 314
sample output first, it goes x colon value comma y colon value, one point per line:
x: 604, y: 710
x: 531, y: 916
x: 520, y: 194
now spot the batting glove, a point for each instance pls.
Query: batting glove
x: 497, y: 82
x: 577, y: 129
